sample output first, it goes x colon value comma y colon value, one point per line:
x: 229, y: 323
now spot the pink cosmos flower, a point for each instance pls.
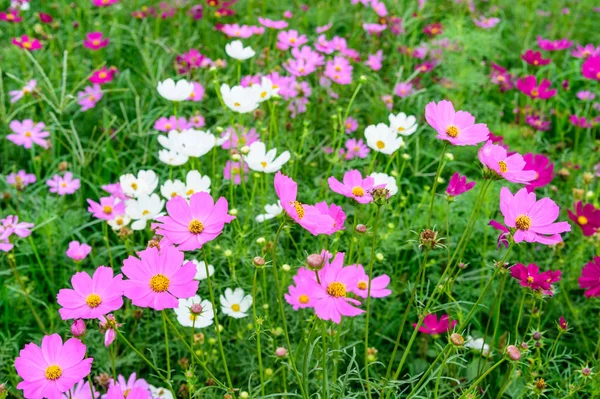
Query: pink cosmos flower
x: 290, y: 38
x: 356, y: 149
x: 103, y: 3
x: 159, y: 278
x: 107, y: 209
x: 107, y: 325
x: 403, y: 89
x: 235, y: 30
x: 233, y: 172
x: 590, y: 69
x: 585, y: 51
x: 351, y: 124
x: 81, y: 391
x: 78, y: 251
x: 543, y: 168
x: 504, y: 235
x: 379, y: 8
x: 501, y: 77
x: 91, y: 297
x: 388, y: 101
x: 27, y: 133
x: 45, y: 18
x: 197, y: 121
x: 130, y: 383
x: 553, y: 45
x: 16, y: 95
x: 585, y: 95
x: 172, y: 123
x: 374, y: 29
x: 535, y: 58
x: 89, y: 97
x: 537, y: 122
x: 103, y: 75
x: 27, y: 43
x: 116, y: 392
x: 530, y: 88
x: 433, y: 29
x: 459, y: 128
x: 587, y: 217
x: 21, y: 179
x: 52, y: 369
x: 197, y: 93
x: 339, y: 70
x: 432, y: 326
x: 12, y: 16
x: 114, y: 189
x: 531, y: 220
x: 192, y: 225
x: 287, y: 14
x: 530, y: 276
x: 375, y: 60
x: 511, y: 168
x: 238, y: 137
x: 63, y: 185
x: 590, y: 278
x: 269, y: 23
x: 10, y: 225
x: 580, y: 121
x: 458, y: 185
x: 486, y: 23
x: 333, y: 212
x: 324, y: 28
x: 353, y: 186
x: 95, y: 41
x: 379, y: 284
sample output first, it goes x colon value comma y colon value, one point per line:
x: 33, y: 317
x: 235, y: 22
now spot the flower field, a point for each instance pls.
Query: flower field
x: 273, y: 199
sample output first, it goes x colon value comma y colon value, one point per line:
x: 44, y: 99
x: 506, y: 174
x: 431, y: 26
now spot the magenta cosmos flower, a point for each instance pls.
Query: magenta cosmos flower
x: 103, y: 75
x: 585, y: 51
x: 531, y: 220
x: 63, y: 185
x: 190, y: 226
x: 95, y: 41
x: 27, y: 43
x: 164, y: 124
x: 353, y: 186
x: 28, y: 133
x: 104, y: 3
x: 528, y: 86
x: 590, y: 278
x: 543, y: 168
x: 553, y: 45
x: 587, y: 217
x: 458, y: 128
x: 10, y: 225
x: 91, y: 297
x: 333, y: 211
x: 458, y: 185
x: 590, y: 69
x: 434, y: 326
x: 159, y: 278
x: 530, y: 276
x: 511, y: 168
x: 78, y: 251
x: 535, y: 58
x: 52, y: 369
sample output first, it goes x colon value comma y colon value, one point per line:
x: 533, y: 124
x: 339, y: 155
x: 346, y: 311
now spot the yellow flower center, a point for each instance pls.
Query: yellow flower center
x: 146, y: 211
x: 235, y: 307
x: 173, y: 194
x: 303, y: 298
x: 530, y: 280
x: 27, y: 134
x: 452, y: 131
x: 263, y: 94
x: 189, y: 192
x: 107, y: 209
x: 28, y: 45
x: 337, y: 289
x: 582, y: 220
x: 168, y: 126
x: 501, y: 78
x: 358, y: 191
x: 535, y: 93
x: 292, y: 40
x: 380, y: 144
x: 134, y: 186
x: 196, y: 226
x: 401, y: 129
x: 299, y: 208
x: 10, y: 17
x: 523, y: 222
x: 93, y: 300
x: 362, y: 285
x: 119, y: 221
x: 535, y: 62
x: 95, y: 42
x: 92, y: 98
x: 102, y: 75
x: 53, y: 372
x: 63, y: 184
x: 159, y: 283
x: 236, y: 104
x: 193, y: 317
x: 264, y: 164
x: 503, y: 167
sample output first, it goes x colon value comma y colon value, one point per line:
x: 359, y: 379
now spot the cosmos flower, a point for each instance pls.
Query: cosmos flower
x: 510, y: 167
x: 144, y: 184
x: 353, y: 186
x: 403, y: 89
x: 403, y: 124
x: 95, y: 41
x: 543, y: 168
x: 458, y: 128
x: 261, y: 160
x: 195, y: 96
x: 235, y: 304
x: 530, y: 276
x: 382, y: 139
x: 195, y: 312
x: 21, y: 179
x: 237, y: 51
x: 587, y: 217
x: 28, y: 133
x: 385, y: 181
x: 89, y: 97
x: 63, y: 185
x: 103, y: 75
x: 108, y: 209
x: 356, y: 149
x: 143, y: 209
x: 241, y: 99
x: 27, y: 43
x: 78, y: 251
x: 535, y: 58
x: 180, y: 91
x: 379, y: 284
x: 553, y: 45
x: 271, y: 211
x: 29, y: 88
x: 590, y: 278
x: 486, y: 23
x: 530, y: 88
x: 434, y: 326
x: 458, y: 185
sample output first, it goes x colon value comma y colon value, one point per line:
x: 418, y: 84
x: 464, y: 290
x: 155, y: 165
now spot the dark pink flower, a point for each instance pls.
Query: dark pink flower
x: 103, y: 75
x: 590, y: 278
x: 530, y: 276
x: 587, y: 217
x: 27, y: 43
x: 553, y: 45
x: 535, y: 58
x: 458, y: 185
x: 45, y: 18
x: 580, y: 121
x: 529, y: 87
x: 590, y: 69
x: 543, y: 168
x: 95, y: 41
x: 11, y: 16
x: 434, y: 326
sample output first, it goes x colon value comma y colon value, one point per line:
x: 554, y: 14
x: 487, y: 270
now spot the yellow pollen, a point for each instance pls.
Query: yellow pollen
x: 96, y: 42
x: 28, y: 45
x: 503, y: 167
x: 358, y: 191
x: 236, y: 104
x: 264, y: 164
x: 582, y: 220
x: 235, y: 307
x: 348, y: 125
x: 401, y: 129
x: 535, y: 93
x: 263, y: 94
x: 292, y: 40
x: 63, y: 184
x: 18, y: 179
x: 193, y: 317
x: 92, y: 98
x: 159, y: 283
x: 119, y: 221
x: 173, y: 194
x: 362, y: 285
x: 598, y: 75
x: 237, y: 33
x: 452, y: 131
x: 126, y: 393
x: 53, y: 372
x: 93, y: 300
x: 303, y: 299
x: 195, y: 226
x: 134, y: 186
x: 189, y: 192
x: 146, y: 211
x: 107, y: 209
x: 168, y: 126
x: 102, y: 75
x: 338, y: 68
x: 299, y: 208
x: 192, y: 95
x: 27, y: 134
x: 523, y: 222
x: 501, y: 78
x: 337, y: 289
x: 10, y: 17
x: 535, y: 62
x: 530, y: 280
x: 380, y: 144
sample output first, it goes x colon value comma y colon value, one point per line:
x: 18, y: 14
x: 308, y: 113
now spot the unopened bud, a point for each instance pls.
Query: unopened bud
x: 245, y: 149
x: 286, y: 268
x: 588, y: 177
x: 281, y: 352
x: 537, y: 335
x: 227, y: 253
x: 62, y: 166
x: 315, y: 261
x: 513, y: 352
x: 361, y: 228
x: 261, y: 240
x: 244, y: 395
x: 236, y: 157
x: 405, y: 156
x: 586, y: 371
x: 268, y: 372
x: 259, y: 261
x: 196, y: 308
x: 379, y: 256
x: 457, y: 339
x: 233, y: 212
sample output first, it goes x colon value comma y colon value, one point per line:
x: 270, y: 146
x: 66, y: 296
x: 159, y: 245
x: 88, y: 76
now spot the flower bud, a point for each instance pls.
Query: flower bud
x: 379, y: 256
x: 406, y: 156
x: 245, y: 149
x: 62, y: 166
x: 259, y: 261
x: 362, y: 78
x: 281, y: 352
x: 78, y: 328
x: 524, y: 345
x: 268, y: 372
x: 449, y: 156
x: 244, y: 395
x: 196, y: 308
x: 361, y: 228
x: 588, y: 177
x: 315, y: 261
x: 513, y: 352
x: 537, y: 335
x: 586, y: 371
x: 457, y: 339
x: 261, y: 240
x: 227, y: 253
x: 286, y: 268
x: 233, y: 212
x: 235, y: 157
x: 562, y: 324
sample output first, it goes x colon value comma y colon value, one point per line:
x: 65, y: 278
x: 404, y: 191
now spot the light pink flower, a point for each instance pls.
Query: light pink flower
x: 353, y: 186
x: 27, y: 133
x: 510, y: 167
x: 78, y: 251
x: 89, y: 97
x: 63, y: 185
x: 269, y: 23
x: 197, y: 93
x: 16, y: 95
x: 21, y: 179
x: 379, y: 284
x: 290, y: 38
x: 107, y: 209
x: 457, y: 127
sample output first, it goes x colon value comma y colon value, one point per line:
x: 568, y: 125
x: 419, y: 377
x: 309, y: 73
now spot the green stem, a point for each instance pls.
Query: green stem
x: 435, y: 183
x: 324, y: 343
x: 520, y: 314
x: 164, y: 316
x: 258, y: 326
x: 474, y: 385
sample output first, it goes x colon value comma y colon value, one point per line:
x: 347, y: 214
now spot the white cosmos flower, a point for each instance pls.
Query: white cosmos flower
x: 195, y: 183
x: 389, y: 181
x: 235, y: 303
x: 160, y: 393
x: 402, y: 124
x: 272, y: 211
x: 188, y: 142
x: 172, y: 91
x: 186, y: 318
x: 236, y: 50
x: 201, y: 269
x: 382, y: 139
x: 119, y: 222
x: 144, y: 184
x: 259, y: 160
x: 172, y: 158
x: 267, y: 89
x: 144, y: 208
x: 477, y: 345
x: 241, y: 99
x: 172, y: 188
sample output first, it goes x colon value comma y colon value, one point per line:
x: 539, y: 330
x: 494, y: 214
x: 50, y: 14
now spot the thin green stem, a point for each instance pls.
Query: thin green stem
x: 435, y: 183
x: 164, y: 316
x: 478, y: 381
x: 324, y: 356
